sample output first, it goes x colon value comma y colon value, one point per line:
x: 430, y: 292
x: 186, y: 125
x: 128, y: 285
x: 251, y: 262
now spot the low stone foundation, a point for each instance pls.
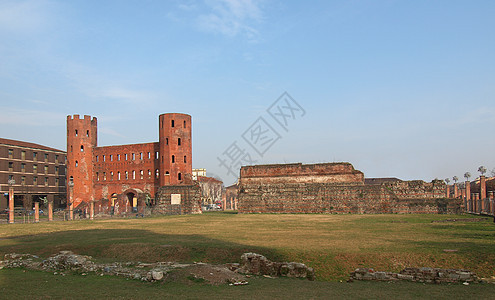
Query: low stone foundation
x: 429, y: 275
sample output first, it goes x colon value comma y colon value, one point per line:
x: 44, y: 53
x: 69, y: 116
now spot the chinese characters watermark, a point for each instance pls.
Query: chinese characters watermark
x: 261, y: 135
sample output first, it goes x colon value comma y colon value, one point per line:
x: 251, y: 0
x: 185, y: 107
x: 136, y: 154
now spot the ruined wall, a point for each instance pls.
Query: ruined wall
x: 274, y: 196
x: 168, y: 202
x: 211, y: 190
x: 299, y: 173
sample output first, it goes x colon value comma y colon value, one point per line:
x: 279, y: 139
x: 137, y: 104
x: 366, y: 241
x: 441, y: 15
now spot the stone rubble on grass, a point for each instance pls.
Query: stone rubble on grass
x: 429, y: 275
x: 257, y: 264
x: 66, y: 262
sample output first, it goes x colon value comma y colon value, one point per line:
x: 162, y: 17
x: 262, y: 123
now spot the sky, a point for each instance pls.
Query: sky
x: 400, y: 89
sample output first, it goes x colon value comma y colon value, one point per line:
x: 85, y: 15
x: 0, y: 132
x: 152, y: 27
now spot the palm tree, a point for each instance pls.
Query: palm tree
x: 455, y: 178
x: 482, y: 170
x: 447, y: 180
x: 467, y: 175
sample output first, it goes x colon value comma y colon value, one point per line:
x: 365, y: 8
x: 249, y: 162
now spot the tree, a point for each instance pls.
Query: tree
x: 447, y: 180
x: 482, y: 170
x: 455, y: 178
x: 493, y: 172
x: 467, y: 175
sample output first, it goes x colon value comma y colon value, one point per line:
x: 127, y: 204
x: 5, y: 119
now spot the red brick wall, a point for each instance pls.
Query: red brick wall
x: 81, y: 140
x: 175, y: 158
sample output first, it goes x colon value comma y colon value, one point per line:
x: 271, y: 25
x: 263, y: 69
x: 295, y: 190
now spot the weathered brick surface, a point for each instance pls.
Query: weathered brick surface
x: 190, y: 200
x: 276, y: 196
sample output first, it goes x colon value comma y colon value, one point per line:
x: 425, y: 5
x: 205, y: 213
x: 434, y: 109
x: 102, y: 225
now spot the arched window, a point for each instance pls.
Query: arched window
x: 118, y: 175
x: 157, y: 173
x: 77, y: 163
x: 133, y: 174
x: 82, y: 148
x: 173, y: 123
x: 185, y: 159
x: 76, y: 132
x: 184, y: 124
x: 178, y: 142
x: 87, y: 133
x: 173, y: 158
x: 179, y: 176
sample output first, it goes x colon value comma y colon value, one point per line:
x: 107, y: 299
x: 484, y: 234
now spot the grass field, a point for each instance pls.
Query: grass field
x: 332, y: 244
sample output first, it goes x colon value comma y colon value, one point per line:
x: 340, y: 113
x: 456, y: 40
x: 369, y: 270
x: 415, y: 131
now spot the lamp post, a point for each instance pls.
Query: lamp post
x: 11, y: 183
x: 71, y: 201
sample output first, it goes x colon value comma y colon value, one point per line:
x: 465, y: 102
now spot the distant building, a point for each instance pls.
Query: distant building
x: 198, y: 172
x: 211, y: 191
x: 231, y: 197
x: 38, y: 171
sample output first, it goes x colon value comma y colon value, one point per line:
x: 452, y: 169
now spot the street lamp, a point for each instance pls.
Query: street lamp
x: 11, y: 183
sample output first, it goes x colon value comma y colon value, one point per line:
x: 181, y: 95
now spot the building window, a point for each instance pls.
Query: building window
x: 149, y: 155
x: 126, y: 175
x: 71, y: 179
x: 35, y: 180
x: 56, y: 170
x: 118, y: 157
x: 57, y: 182
x: 184, y: 159
x: 111, y: 176
x: 179, y: 176
x: 178, y: 142
x: 76, y: 132
x: 173, y: 158
x: 46, y: 169
x: 149, y: 173
x: 71, y: 148
x: 173, y: 123
x: 34, y: 155
x: 87, y: 133
x: 96, y: 158
x: 184, y: 124
x: 141, y: 173
x: 111, y: 157
x: 157, y: 173
x: 11, y: 153
x: 104, y: 176
x: 141, y: 156
x: 97, y: 176
x: 56, y: 159
x: 46, y: 157
x: 133, y: 174
x: 133, y: 156
x: 166, y: 140
x: 11, y: 177
x: 35, y: 169
x: 77, y: 163
x: 118, y: 175
x: 46, y: 181
x: 23, y: 155
x: 11, y: 166
x: 157, y: 155
x: 23, y: 167
x: 23, y: 180
x: 125, y: 155
x: 82, y: 148
x: 103, y: 157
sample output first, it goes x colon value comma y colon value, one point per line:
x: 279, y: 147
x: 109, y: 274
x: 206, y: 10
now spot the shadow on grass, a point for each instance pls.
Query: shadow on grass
x: 133, y: 245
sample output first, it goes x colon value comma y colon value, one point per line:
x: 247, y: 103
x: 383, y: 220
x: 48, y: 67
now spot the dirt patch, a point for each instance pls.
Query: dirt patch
x: 205, y: 273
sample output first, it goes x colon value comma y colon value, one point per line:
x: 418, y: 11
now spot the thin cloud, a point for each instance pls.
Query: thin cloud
x: 231, y: 18
x: 23, y: 16
x: 10, y: 116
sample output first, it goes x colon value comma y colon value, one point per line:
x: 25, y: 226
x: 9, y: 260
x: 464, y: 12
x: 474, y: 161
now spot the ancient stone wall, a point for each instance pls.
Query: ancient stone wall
x: 299, y: 173
x: 303, y: 196
x: 178, y: 200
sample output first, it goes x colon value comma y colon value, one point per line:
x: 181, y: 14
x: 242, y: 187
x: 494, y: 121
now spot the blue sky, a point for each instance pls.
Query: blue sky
x: 398, y: 88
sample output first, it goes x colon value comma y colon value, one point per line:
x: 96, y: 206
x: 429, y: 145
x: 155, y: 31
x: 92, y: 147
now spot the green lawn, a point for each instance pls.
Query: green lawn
x: 333, y: 244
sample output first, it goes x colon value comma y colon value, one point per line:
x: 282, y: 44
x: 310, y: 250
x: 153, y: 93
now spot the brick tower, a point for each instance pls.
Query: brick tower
x: 175, y: 132
x: 81, y: 140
